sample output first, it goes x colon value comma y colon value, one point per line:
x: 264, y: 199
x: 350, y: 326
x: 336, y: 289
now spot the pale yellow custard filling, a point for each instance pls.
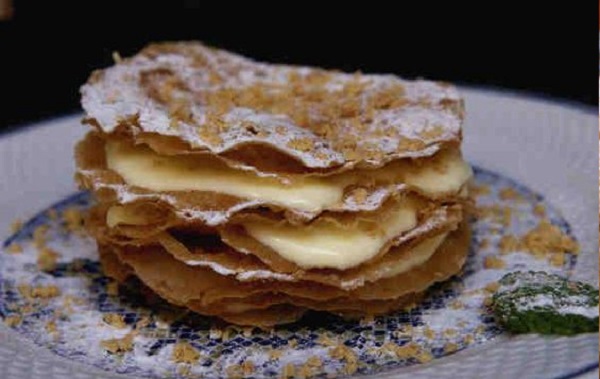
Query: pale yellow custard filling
x: 417, y: 255
x: 321, y: 245
x: 330, y: 245
x: 326, y: 245
x: 140, y: 166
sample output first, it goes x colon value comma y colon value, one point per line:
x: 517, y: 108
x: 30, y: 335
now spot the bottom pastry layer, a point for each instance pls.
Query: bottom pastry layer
x: 270, y: 302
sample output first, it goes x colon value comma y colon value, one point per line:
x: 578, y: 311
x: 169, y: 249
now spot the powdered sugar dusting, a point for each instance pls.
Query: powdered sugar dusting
x: 214, y: 266
x: 119, y: 95
x: 241, y: 275
x: 374, y: 200
x: 574, y: 305
x: 263, y: 274
x: 589, y: 312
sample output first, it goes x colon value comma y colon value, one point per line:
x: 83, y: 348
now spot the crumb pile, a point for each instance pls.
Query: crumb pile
x: 254, y: 192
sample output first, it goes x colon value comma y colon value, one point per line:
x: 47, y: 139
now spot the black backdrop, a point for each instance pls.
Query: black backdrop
x: 48, y: 49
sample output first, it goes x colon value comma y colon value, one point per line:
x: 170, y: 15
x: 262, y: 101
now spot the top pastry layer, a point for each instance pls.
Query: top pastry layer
x: 187, y: 97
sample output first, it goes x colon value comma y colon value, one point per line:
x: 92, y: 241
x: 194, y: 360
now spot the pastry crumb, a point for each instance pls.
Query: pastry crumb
x: 38, y: 292
x: 484, y: 243
x: 492, y: 262
x: 496, y: 213
x: 509, y: 193
x: 275, y: 354
x: 69, y: 301
x: 450, y: 332
x: 539, y: 210
x: 247, y: 331
x: 429, y: 333
x: 248, y: 368
x: 112, y: 288
x: 403, y: 331
x: 506, y: 216
x: 15, y: 226
x: 12, y: 321
x: 408, y: 351
x: 234, y: 371
x: 73, y: 219
x: 408, y: 144
x: 479, y: 190
x: 469, y: 339
x: 546, y: 238
x: 367, y: 320
x: 183, y: 352
x: 184, y: 370
x: 116, y: 57
x: 143, y: 322
x: 359, y: 195
x: 227, y: 333
x: 39, y: 236
x: 288, y: 371
x: 492, y: 287
x: 52, y: 214
x: 344, y: 353
x: 310, y: 368
x: 314, y: 361
x: 301, y: 144
x: 210, y: 136
x: 215, y: 333
x: 114, y: 320
x: 47, y: 259
x: 326, y: 340
x: 432, y: 133
x: 543, y: 241
x: 51, y: 327
x: 14, y: 248
x: 450, y: 347
x: 509, y: 244
x: 558, y: 259
x: 118, y: 345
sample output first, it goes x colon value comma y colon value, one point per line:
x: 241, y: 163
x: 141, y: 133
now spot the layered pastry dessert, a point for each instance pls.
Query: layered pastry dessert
x: 255, y: 192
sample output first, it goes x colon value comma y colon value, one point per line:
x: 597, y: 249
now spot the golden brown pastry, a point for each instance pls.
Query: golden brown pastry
x: 254, y: 192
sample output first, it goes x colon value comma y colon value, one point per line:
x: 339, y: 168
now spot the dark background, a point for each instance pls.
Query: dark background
x: 48, y: 48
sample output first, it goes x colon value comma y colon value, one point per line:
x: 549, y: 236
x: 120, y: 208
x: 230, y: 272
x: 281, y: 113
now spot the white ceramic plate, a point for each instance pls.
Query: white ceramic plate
x: 547, y: 147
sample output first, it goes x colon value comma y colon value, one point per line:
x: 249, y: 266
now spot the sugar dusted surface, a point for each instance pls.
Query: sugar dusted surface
x: 546, y: 301
x: 218, y: 101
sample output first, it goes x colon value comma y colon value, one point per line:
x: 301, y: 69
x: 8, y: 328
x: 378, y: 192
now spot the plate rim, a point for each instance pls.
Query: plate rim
x: 16, y: 130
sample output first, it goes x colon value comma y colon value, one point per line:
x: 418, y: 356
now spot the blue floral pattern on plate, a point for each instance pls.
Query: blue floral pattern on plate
x: 70, y: 322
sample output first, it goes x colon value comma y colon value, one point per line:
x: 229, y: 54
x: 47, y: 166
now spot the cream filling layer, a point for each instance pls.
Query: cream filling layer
x: 330, y: 245
x: 320, y: 245
x: 414, y: 257
x: 142, y: 167
x: 417, y: 255
x: 327, y: 245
